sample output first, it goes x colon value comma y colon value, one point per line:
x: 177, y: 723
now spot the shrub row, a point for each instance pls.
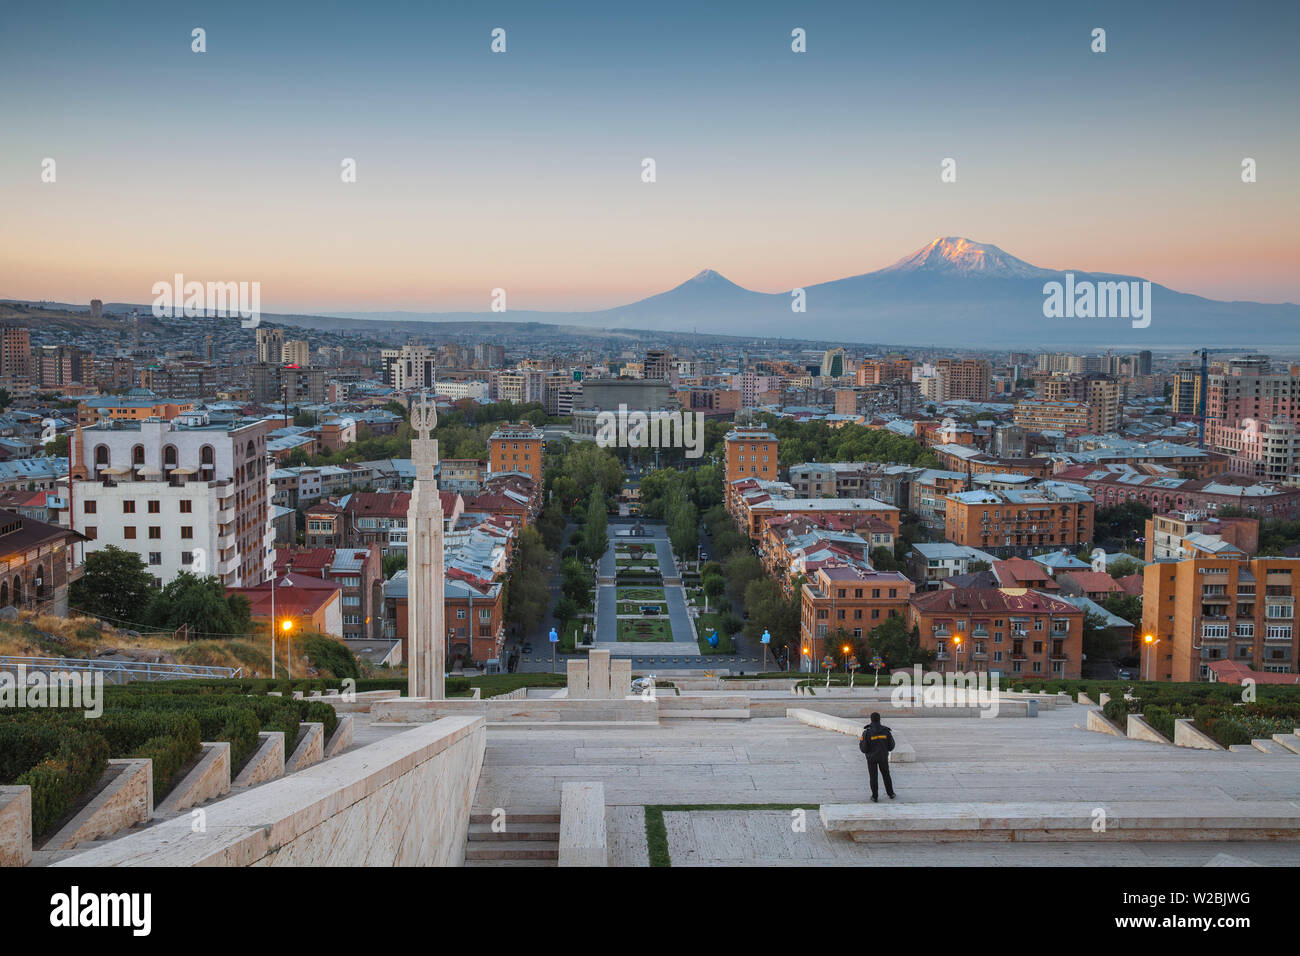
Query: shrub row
x: 60, y: 779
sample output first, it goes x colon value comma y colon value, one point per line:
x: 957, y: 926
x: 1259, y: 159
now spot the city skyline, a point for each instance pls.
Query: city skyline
x: 522, y: 170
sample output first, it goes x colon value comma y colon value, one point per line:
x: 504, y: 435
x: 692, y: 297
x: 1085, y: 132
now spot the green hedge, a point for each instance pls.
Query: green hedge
x: 60, y: 779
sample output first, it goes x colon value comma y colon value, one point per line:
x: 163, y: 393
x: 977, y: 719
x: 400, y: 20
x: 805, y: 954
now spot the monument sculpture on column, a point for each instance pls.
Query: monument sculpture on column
x: 426, y: 630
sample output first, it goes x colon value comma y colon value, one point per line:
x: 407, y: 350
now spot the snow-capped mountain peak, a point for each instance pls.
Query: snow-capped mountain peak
x: 955, y: 255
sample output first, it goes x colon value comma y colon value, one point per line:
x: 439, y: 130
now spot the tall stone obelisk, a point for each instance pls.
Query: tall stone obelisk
x: 426, y: 640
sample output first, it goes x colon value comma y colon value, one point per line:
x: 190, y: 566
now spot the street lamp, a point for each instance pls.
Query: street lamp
x: 555, y: 639
x: 287, y: 626
x: 807, y: 663
x: 956, y: 640
x: 1151, y: 641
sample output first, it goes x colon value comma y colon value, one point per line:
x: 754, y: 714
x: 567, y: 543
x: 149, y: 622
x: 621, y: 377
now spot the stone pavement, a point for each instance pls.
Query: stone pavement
x: 779, y: 760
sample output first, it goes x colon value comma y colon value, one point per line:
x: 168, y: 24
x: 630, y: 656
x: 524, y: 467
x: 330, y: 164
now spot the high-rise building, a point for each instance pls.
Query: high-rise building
x: 833, y: 363
x: 296, y: 352
x: 96, y: 309
x: 659, y: 365
x: 15, y: 354
x: 1100, y: 392
x: 751, y: 453
x: 270, y: 345
x: 962, y: 379
x: 1203, y: 610
x: 411, y: 366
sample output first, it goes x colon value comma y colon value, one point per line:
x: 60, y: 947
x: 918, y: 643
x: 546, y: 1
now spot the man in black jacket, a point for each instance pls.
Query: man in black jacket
x: 876, y: 742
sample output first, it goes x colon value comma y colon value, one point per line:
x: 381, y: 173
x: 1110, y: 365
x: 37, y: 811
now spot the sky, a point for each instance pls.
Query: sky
x: 522, y: 170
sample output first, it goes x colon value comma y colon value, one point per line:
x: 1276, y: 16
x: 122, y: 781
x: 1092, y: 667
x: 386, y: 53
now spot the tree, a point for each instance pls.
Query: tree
x: 5, y: 399
x: 200, y: 603
x: 595, y: 539
x: 58, y: 448
x: 1100, y: 642
x: 393, y: 563
x: 575, y: 581
x: 1127, y: 606
x: 896, y: 645
x: 882, y: 559
x: 1123, y: 567
x: 566, y: 609
x: 114, y: 584
x: 527, y: 593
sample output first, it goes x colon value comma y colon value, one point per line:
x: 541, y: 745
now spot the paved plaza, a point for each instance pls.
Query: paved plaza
x: 1050, y: 758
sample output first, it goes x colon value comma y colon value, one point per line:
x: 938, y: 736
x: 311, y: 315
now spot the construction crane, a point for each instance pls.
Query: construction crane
x: 1200, y: 401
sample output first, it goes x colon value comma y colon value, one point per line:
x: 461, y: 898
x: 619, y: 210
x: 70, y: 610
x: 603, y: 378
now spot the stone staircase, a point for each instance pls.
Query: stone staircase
x: 530, y: 838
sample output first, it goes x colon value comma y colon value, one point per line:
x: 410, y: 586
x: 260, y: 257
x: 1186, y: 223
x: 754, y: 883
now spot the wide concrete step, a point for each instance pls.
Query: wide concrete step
x: 899, y: 822
x: 1290, y: 741
x: 510, y: 862
x: 522, y: 850
x: 530, y: 815
x: 670, y: 716
x: 1242, y: 749
x: 1267, y: 746
x: 514, y: 831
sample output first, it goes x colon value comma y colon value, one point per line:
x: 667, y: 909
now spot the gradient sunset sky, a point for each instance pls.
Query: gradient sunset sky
x: 523, y: 170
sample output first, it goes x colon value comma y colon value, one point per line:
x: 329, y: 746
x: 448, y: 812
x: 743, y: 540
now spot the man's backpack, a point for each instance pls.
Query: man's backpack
x: 862, y: 741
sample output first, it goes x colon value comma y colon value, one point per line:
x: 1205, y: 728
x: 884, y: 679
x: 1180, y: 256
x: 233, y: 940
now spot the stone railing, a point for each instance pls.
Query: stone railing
x: 423, y: 780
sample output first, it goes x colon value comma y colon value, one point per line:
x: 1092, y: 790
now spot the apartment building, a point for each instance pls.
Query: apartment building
x: 517, y: 448
x: 185, y: 495
x: 1008, y: 523
x: 847, y: 598
x: 1056, y: 416
x: 1196, y: 534
x: 1007, y: 632
x: 1203, y: 610
x: 962, y: 379
x: 1100, y: 393
x: 751, y: 453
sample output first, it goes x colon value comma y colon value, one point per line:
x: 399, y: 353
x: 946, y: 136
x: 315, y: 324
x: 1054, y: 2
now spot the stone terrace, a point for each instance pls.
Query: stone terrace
x: 766, y: 761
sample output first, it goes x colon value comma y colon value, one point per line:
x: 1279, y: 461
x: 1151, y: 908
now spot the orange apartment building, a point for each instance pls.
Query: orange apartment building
x: 1008, y: 523
x: 851, y: 599
x: 1009, y: 632
x: 517, y: 448
x: 1204, y: 610
x: 880, y: 371
x: 751, y: 453
x: 851, y: 511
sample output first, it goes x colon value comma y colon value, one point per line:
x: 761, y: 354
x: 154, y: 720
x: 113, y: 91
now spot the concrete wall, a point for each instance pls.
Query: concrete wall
x: 531, y: 710
x: 401, y: 801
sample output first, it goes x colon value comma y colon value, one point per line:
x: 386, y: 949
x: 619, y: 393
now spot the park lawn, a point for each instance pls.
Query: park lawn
x: 644, y: 630
x: 641, y: 594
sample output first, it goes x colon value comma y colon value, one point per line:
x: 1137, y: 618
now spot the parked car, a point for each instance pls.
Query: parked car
x: 528, y: 648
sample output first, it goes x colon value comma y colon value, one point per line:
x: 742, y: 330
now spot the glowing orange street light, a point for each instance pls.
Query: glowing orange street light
x: 287, y: 626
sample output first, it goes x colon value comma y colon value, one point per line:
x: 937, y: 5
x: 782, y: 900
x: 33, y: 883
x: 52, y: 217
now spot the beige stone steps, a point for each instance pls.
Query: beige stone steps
x: 483, y: 851
x: 495, y: 863
x: 519, y: 816
x: 670, y: 716
x: 1264, y: 745
x: 1289, y: 741
x: 515, y: 830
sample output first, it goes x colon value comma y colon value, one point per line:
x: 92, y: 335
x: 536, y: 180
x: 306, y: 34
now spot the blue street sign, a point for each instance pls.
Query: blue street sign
x: 555, y: 638
x: 766, y: 638
x: 713, y: 639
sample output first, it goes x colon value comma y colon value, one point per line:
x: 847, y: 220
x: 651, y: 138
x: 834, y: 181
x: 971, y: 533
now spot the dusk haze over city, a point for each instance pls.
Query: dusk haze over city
x: 628, y: 436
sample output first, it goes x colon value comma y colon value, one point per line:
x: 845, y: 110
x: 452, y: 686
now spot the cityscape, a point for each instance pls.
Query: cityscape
x: 530, y: 554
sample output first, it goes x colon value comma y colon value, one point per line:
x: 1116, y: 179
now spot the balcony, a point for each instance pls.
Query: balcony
x: 1270, y: 639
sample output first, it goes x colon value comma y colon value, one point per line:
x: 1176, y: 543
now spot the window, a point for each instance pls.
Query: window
x: 187, y: 532
x: 128, y: 507
x: 88, y: 507
x: 90, y: 532
x: 155, y: 532
x: 129, y: 532
x: 187, y: 557
x: 460, y: 614
x: 155, y: 557
x: 155, y: 506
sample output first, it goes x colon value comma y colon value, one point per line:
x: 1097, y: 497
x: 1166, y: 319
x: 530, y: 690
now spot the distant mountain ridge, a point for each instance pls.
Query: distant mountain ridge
x: 951, y: 291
